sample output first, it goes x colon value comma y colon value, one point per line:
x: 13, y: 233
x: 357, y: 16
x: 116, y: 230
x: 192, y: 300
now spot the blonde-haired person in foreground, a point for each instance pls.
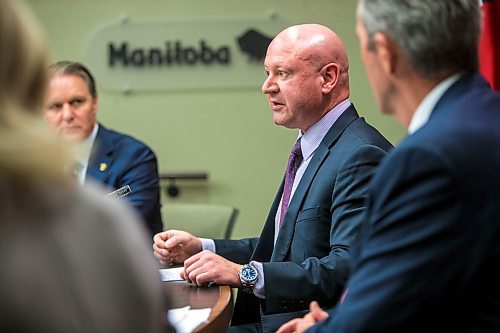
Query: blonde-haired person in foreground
x: 70, y: 260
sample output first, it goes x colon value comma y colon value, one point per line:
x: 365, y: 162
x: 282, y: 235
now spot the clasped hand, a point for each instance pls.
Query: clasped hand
x: 200, y: 267
x: 174, y: 246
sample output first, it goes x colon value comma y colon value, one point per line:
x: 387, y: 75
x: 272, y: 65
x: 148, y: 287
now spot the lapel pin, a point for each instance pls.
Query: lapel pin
x: 103, y: 166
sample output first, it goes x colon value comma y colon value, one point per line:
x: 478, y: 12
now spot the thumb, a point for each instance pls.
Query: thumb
x: 160, y: 237
x: 317, y: 312
x: 171, y: 242
x: 289, y: 327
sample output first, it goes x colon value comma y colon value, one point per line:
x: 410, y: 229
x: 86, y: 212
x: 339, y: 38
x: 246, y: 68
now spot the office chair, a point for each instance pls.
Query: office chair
x: 202, y: 220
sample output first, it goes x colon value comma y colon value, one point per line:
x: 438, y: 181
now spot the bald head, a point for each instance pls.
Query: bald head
x: 307, y: 69
x: 316, y: 44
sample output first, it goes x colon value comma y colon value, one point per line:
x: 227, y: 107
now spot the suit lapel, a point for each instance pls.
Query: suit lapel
x: 100, y: 156
x: 285, y: 236
x: 264, y: 248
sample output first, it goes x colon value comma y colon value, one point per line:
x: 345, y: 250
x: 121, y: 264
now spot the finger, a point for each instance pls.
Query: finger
x: 185, y: 277
x: 160, y: 237
x: 158, y: 256
x: 303, y: 326
x: 314, y: 306
x: 157, y: 248
x: 190, y: 266
x: 309, y: 317
x: 317, y: 312
x: 204, y: 279
x: 194, y: 258
x: 171, y: 233
x: 163, y: 256
x: 199, y: 273
x: 192, y: 274
x: 172, y: 243
x: 162, y: 260
x: 289, y: 327
x: 159, y: 245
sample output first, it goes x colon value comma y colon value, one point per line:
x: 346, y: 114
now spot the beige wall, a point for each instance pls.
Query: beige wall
x: 229, y: 133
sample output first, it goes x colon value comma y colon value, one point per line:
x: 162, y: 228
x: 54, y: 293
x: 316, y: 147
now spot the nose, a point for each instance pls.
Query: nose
x: 269, y: 86
x: 67, y: 112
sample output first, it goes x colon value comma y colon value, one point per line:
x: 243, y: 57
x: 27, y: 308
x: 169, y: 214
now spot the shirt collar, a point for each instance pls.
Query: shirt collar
x: 314, y: 135
x: 85, y: 147
x: 425, y: 108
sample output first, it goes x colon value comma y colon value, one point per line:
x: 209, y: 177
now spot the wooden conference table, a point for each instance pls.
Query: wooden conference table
x: 218, y: 298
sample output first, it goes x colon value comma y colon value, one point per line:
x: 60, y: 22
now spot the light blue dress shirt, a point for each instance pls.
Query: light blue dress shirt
x: 309, y: 143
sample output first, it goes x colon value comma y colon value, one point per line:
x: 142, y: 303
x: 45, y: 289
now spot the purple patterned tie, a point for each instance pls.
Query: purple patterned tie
x: 293, y: 164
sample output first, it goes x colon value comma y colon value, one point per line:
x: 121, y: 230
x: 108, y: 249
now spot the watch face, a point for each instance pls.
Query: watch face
x: 248, y: 274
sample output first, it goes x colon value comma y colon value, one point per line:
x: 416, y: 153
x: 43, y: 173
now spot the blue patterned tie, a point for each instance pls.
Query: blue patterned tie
x: 293, y: 164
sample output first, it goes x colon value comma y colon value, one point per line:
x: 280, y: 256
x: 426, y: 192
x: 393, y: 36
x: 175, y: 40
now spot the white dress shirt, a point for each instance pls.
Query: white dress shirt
x: 425, y: 108
x: 82, y: 155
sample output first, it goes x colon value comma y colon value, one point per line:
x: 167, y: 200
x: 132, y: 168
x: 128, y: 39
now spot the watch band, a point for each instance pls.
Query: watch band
x: 248, y: 277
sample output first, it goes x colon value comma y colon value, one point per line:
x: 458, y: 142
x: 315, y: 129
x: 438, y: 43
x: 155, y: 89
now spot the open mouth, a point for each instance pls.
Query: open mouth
x: 276, y: 105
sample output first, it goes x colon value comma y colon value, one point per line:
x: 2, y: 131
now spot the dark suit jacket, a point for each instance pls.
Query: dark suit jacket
x: 429, y: 253
x: 310, y: 258
x: 118, y: 160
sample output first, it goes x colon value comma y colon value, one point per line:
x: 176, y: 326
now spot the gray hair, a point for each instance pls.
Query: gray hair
x: 437, y: 37
x: 74, y: 68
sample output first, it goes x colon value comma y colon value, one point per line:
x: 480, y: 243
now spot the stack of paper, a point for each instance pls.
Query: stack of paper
x: 171, y: 274
x: 185, y: 319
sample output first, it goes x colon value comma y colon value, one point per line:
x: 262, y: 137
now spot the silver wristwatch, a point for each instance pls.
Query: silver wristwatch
x: 248, y: 277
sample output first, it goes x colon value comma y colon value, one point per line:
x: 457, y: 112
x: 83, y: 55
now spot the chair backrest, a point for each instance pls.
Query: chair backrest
x: 202, y: 220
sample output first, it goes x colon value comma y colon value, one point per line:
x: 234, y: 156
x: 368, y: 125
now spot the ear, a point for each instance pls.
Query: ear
x: 387, y: 53
x: 330, y: 75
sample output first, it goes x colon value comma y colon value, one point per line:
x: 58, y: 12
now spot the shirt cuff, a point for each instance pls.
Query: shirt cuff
x: 258, y: 288
x: 207, y: 244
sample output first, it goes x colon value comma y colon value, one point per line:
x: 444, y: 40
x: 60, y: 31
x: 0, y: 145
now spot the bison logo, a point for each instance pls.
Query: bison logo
x: 254, y: 44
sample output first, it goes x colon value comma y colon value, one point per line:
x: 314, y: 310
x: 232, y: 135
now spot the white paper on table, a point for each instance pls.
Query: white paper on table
x: 185, y: 319
x: 171, y: 274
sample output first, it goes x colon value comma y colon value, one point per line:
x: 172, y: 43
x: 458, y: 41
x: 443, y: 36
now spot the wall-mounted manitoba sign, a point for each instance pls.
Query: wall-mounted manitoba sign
x: 133, y: 56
